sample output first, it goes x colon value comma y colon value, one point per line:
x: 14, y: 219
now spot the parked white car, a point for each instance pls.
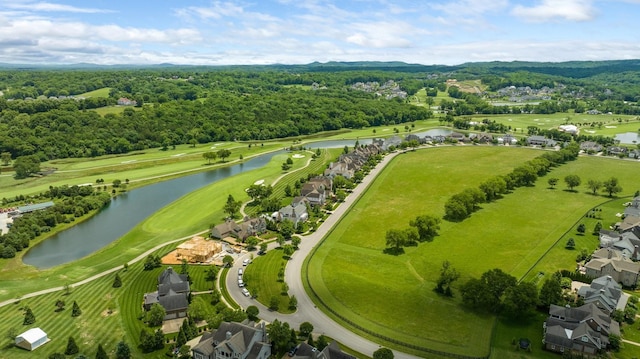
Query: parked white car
x: 240, y: 283
x: 245, y: 291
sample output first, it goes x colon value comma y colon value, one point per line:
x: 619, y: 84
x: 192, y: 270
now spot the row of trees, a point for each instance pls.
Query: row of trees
x: 610, y: 186
x: 461, y: 205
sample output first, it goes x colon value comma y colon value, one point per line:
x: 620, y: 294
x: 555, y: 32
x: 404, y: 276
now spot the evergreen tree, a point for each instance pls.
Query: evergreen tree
x: 29, y: 317
x: 101, y: 354
x: 322, y: 342
x: 117, y: 282
x: 75, y: 311
x: 72, y: 347
x: 123, y: 351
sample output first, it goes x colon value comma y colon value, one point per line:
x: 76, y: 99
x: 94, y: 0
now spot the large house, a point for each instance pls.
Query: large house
x: 626, y: 243
x: 605, y: 293
x: 317, y: 190
x: 250, y: 227
x: 331, y: 351
x: 633, y: 209
x: 172, y: 294
x: 296, y: 212
x: 608, y: 261
x: 234, y: 340
x: 583, y: 330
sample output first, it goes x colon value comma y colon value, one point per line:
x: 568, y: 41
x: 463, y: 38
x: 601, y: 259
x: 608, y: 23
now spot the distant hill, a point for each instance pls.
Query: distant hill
x: 574, y: 69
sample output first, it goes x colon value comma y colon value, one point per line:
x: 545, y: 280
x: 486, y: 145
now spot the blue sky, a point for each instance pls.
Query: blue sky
x: 302, y: 31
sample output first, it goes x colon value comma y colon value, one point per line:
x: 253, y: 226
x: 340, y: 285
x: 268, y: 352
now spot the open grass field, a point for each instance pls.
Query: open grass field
x: 103, y: 92
x: 261, y: 277
x: 102, y: 111
x: 383, y: 292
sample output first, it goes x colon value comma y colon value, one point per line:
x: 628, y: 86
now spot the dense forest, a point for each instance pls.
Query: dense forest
x: 43, y: 112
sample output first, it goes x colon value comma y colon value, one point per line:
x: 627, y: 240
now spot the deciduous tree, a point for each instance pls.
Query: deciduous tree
x: 611, y: 186
x: 572, y: 181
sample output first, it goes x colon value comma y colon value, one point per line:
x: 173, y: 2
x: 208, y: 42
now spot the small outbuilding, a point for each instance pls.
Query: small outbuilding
x: 32, y: 339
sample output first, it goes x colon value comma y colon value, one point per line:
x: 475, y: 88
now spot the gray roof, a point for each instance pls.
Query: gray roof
x: 35, y: 207
x: 169, y: 280
x: 604, y: 290
x: 173, y: 301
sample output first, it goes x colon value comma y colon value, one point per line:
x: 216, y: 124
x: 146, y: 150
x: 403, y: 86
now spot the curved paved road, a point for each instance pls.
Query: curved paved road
x: 307, y: 311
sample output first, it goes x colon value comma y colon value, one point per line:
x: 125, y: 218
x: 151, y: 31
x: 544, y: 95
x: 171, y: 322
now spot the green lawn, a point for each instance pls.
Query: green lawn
x: 261, y: 277
x: 103, y: 92
x: 383, y: 293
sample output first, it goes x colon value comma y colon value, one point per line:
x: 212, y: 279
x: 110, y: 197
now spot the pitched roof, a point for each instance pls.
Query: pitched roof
x: 32, y: 335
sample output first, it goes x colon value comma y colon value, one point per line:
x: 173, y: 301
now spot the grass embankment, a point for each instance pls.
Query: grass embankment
x: 382, y: 292
x: 190, y: 214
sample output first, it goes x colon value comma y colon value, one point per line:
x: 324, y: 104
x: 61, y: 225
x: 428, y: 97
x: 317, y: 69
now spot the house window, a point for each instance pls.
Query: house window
x: 585, y: 339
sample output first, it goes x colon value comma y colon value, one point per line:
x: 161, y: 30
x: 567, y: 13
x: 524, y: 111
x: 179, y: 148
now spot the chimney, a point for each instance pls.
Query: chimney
x: 609, y: 277
x: 228, y: 335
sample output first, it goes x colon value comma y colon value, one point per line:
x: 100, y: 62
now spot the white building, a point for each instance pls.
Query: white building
x: 31, y: 339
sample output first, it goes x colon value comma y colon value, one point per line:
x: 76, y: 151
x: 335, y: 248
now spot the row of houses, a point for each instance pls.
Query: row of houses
x: 619, y: 252
x: 585, y: 330
x: 248, y: 340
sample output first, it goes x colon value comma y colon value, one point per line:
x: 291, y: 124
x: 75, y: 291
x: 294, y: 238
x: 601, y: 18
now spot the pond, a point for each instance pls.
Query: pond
x: 628, y: 138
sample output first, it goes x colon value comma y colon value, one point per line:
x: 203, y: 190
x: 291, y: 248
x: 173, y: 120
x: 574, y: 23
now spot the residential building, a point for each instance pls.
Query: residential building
x: 123, y: 101
x: 583, y: 330
x: 540, y: 141
x: 172, y: 294
x: 626, y: 243
x: 317, y: 190
x: 227, y: 229
x: 244, y: 340
x: 295, y: 212
x: 590, y: 147
x: 633, y: 209
x: 608, y: 261
x: 605, y: 293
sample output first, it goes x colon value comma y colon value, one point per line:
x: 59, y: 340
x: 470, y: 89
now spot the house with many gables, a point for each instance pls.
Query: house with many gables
x: 231, y: 340
x: 172, y: 294
x: 605, y: 293
x: 581, y: 331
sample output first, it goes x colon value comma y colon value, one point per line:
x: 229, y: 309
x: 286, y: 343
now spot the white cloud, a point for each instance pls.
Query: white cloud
x: 554, y: 10
x: 52, y: 7
x: 470, y: 7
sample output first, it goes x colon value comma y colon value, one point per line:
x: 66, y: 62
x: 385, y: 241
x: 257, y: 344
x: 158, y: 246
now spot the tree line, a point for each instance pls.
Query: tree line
x: 461, y: 205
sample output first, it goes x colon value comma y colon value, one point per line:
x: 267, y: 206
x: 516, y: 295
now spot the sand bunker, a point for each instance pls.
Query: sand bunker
x: 178, y: 155
x: 258, y: 182
x: 298, y: 156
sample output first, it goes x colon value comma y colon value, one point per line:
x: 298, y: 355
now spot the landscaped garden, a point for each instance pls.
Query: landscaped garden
x: 383, y: 293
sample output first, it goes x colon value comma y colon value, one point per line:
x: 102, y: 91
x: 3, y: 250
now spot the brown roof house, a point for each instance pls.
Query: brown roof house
x: 583, y: 330
x: 244, y: 340
x: 172, y: 294
x: 250, y: 227
x: 608, y: 261
x: 317, y: 190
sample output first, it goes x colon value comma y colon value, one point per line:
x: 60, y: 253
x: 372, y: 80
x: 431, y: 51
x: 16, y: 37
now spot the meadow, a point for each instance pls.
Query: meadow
x: 101, y: 92
x: 382, y: 292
